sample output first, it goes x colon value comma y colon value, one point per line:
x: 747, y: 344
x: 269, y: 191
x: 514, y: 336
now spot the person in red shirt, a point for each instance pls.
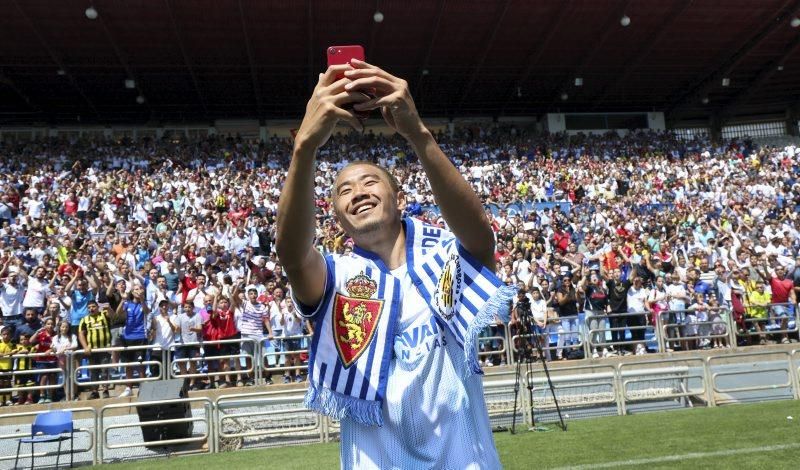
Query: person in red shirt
x: 71, y: 205
x: 783, y: 297
x: 42, y: 341
x: 222, y: 326
x: 187, y: 283
x: 561, y: 239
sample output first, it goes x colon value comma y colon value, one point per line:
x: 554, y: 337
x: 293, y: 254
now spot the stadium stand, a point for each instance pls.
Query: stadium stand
x: 620, y: 245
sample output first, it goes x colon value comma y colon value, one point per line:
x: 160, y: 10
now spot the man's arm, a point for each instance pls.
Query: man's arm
x: 296, y: 223
x: 460, y: 206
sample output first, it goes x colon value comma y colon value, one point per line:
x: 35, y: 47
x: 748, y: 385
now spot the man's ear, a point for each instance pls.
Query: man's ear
x: 401, y: 201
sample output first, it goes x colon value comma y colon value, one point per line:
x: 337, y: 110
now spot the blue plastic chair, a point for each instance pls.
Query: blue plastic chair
x: 49, y: 427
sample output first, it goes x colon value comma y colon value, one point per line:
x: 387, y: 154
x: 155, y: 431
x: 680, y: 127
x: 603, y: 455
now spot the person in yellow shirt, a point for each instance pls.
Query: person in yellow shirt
x: 758, y: 301
x: 7, y: 349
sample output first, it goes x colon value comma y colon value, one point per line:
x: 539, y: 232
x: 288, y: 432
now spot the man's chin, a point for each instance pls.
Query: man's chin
x: 368, y: 227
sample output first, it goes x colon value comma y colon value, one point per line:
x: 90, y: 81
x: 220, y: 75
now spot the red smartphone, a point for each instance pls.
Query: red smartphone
x: 338, y: 55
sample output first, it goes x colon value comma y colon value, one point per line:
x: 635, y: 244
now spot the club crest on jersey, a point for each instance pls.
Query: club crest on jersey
x: 355, y: 318
x: 448, y: 288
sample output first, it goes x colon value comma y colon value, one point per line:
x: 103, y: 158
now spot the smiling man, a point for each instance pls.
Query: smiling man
x: 395, y: 321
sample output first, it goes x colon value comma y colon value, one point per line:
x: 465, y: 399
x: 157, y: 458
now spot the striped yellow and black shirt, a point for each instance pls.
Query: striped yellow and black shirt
x: 95, y: 329
x: 23, y: 362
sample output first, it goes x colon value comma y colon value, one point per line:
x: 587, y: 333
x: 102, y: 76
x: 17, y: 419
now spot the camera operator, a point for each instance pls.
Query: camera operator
x: 528, y: 317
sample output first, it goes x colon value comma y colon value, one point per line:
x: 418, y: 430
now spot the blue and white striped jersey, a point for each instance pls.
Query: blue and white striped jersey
x: 434, y: 411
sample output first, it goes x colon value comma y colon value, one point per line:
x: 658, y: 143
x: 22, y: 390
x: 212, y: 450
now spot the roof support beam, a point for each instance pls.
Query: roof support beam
x: 186, y: 60
x: 631, y: 65
x: 250, y: 60
x: 310, y: 41
x: 532, y: 59
x: 121, y: 58
x: 56, y: 59
x: 6, y: 80
x: 610, y: 26
x: 428, y: 51
x: 760, y: 79
x: 701, y: 86
x: 487, y: 47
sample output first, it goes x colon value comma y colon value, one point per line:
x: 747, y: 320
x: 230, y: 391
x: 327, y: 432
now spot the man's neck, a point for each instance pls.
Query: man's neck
x: 389, y: 244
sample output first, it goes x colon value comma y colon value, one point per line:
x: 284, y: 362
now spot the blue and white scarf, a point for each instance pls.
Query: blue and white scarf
x: 464, y: 295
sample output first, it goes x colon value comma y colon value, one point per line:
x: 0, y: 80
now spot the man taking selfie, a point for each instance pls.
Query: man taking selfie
x: 394, y: 351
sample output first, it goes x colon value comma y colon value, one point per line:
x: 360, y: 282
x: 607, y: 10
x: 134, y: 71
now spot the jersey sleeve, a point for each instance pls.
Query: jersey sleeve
x: 312, y: 311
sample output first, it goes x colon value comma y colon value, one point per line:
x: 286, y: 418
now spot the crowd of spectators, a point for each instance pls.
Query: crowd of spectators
x: 170, y: 242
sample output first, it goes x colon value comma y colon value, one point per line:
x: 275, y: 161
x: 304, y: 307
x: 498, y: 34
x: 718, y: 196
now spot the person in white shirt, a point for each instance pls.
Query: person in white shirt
x: 163, y: 326
x: 38, y: 289
x: 276, y: 308
x: 637, y: 303
x: 12, y: 290
x: 677, y: 298
x: 292, y: 343
x: 522, y: 268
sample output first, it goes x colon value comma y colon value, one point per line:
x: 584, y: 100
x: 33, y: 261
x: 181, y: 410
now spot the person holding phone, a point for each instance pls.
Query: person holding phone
x: 388, y: 356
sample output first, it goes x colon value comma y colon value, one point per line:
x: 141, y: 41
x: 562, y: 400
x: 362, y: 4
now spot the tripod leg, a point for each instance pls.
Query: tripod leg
x: 538, y: 344
x: 516, y: 395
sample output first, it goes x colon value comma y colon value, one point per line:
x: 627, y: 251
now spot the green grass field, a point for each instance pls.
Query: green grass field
x: 729, y: 437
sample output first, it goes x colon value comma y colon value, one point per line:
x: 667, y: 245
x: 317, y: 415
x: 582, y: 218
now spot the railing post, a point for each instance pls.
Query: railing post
x: 69, y: 387
x: 793, y: 376
x: 621, y: 408
x: 100, y: 440
x: 732, y: 328
x: 710, y: 398
x: 585, y: 331
x: 509, y: 344
x: 258, y: 361
x: 211, y: 413
x: 660, y: 333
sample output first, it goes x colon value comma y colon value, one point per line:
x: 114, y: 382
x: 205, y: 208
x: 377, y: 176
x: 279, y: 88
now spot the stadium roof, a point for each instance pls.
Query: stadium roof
x: 207, y: 59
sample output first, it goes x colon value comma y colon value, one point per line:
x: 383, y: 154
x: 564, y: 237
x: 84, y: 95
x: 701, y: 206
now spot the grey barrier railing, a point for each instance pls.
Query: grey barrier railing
x: 592, y: 333
x: 705, y: 329
x: 271, y: 360
x: 785, y: 363
x: 163, y: 362
x: 105, y: 428
x: 559, y: 332
x: 31, y: 372
x: 173, y: 363
x: 144, y: 370
x: 771, y: 319
x: 278, y: 417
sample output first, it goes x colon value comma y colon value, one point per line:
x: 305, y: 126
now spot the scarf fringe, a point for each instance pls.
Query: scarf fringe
x: 338, y: 406
x: 498, y: 305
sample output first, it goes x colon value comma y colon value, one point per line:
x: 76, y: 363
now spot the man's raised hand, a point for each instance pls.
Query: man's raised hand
x: 392, y: 97
x: 325, y: 109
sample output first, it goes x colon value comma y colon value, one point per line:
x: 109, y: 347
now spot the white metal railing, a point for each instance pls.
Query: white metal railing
x: 104, y: 428
x: 173, y: 363
x: 687, y: 381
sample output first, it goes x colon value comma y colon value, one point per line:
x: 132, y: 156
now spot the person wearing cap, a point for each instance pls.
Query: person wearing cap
x: 163, y: 326
x: 254, y: 320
